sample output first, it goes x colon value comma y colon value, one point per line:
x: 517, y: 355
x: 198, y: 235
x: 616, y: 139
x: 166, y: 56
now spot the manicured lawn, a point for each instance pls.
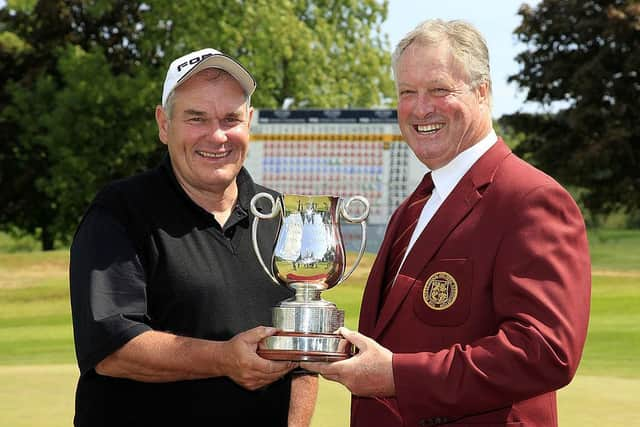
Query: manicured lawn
x: 37, y: 371
x: 613, y: 343
x: 617, y: 250
x: 35, y: 317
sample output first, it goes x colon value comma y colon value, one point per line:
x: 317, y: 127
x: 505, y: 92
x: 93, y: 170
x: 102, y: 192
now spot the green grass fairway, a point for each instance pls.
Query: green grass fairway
x: 599, y: 401
x: 37, y: 395
x: 38, y: 371
x: 42, y: 395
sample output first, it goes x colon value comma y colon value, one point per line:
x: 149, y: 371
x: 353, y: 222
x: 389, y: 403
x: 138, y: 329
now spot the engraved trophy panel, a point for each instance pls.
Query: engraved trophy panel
x: 309, y: 257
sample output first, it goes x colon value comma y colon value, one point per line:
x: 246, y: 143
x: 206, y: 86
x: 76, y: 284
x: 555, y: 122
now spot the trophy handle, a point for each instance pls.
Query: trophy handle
x: 275, y: 210
x: 362, y: 219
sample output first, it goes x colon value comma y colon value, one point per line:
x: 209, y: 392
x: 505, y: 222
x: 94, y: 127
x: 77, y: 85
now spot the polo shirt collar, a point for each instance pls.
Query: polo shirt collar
x: 246, y: 187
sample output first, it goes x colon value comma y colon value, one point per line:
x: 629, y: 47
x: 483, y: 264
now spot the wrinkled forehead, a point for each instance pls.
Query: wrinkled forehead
x: 211, y: 90
x: 216, y: 77
x: 430, y: 61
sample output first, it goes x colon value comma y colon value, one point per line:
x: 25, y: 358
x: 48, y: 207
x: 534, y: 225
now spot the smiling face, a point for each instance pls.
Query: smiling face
x: 207, y: 134
x: 439, y: 113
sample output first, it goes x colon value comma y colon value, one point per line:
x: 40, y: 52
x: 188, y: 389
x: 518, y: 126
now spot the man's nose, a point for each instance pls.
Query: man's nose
x: 424, y: 105
x: 218, y: 134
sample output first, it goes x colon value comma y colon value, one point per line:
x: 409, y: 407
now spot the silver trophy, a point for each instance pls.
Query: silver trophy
x: 309, y: 257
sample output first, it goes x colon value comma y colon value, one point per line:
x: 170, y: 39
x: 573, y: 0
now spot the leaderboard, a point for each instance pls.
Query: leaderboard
x: 333, y: 152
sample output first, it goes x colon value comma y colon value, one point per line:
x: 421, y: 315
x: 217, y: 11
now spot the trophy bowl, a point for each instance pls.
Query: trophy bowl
x: 308, y: 257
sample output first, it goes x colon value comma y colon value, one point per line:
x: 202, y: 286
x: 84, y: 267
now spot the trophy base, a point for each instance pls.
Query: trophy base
x: 305, y: 347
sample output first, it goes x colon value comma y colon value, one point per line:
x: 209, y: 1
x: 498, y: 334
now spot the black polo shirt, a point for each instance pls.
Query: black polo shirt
x: 145, y: 256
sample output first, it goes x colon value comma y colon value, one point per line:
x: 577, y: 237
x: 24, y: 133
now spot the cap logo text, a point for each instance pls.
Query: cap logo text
x: 193, y: 61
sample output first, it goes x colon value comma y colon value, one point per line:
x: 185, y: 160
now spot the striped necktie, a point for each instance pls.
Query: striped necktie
x: 404, y: 231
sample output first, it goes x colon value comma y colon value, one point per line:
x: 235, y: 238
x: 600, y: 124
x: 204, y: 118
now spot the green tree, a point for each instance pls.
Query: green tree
x: 39, y: 117
x: 82, y: 78
x: 320, y: 53
x: 585, y: 54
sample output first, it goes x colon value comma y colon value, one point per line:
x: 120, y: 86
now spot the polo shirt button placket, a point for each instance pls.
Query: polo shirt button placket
x: 228, y: 236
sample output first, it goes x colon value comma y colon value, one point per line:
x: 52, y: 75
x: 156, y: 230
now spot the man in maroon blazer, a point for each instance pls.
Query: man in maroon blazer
x: 487, y: 314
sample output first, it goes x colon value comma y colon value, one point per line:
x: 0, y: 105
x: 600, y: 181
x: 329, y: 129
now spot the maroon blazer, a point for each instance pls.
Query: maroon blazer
x: 511, y: 330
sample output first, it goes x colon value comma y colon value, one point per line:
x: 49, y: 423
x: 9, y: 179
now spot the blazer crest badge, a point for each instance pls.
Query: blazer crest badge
x: 440, y: 291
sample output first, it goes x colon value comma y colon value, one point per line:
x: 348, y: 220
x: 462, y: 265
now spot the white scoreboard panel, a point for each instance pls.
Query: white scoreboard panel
x: 335, y: 152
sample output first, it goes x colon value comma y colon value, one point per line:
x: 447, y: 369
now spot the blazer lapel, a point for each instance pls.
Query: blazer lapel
x: 452, y: 211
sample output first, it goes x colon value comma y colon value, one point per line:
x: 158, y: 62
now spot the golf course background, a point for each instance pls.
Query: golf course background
x: 38, y: 371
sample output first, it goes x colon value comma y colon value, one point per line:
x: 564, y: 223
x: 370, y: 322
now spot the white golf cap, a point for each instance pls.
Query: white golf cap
x: 186, y: 66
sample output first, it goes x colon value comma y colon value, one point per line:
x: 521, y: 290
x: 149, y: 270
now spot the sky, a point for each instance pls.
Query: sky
x: 495, y: 19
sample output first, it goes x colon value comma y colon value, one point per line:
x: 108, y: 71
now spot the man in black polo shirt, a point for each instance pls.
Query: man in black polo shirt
x: 167, y: 295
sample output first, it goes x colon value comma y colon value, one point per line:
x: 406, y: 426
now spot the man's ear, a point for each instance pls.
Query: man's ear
x: 250, y: 115
x: 483, y: 93
x: 163, y: 124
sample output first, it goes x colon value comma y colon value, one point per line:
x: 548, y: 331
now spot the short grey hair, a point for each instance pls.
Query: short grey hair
x: 467, y: 44
x: 217, y: 74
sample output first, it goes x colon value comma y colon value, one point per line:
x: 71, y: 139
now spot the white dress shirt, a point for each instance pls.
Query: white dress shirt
x: 445, y: 180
